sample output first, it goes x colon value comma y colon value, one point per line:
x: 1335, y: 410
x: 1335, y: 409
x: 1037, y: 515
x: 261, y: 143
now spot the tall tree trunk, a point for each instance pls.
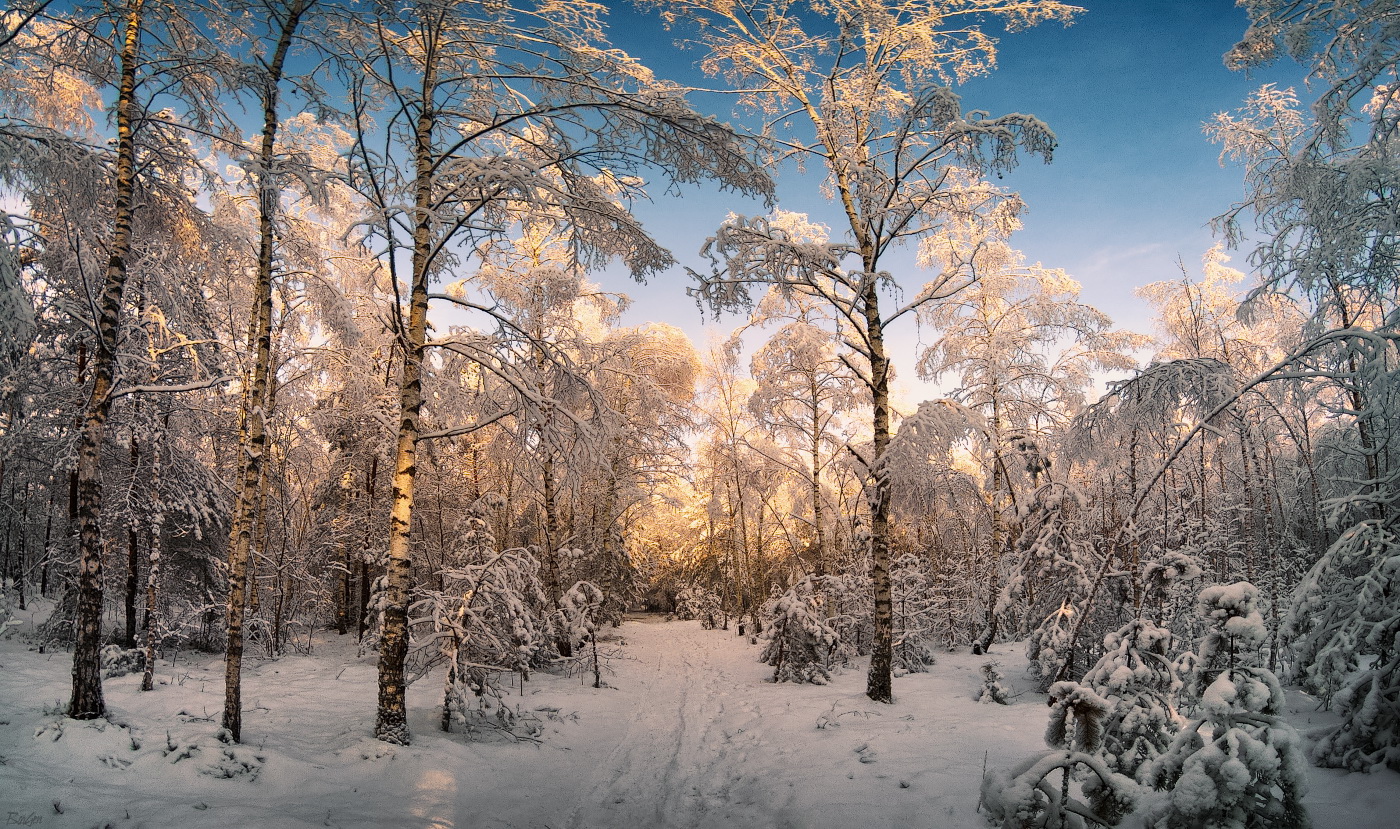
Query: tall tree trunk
x: 153, y: 572
x: 818, y: 516
x: 366, y: 580
x: 23, y: 556
x: 879, y: 682
x: 369, y: 554
x: 87, y: 702
x: 132, y: 555
x: 260, y: 342
x: 347, y: 561
x: 6, y: 566
x: 47, y: 552
x: 391, y: 721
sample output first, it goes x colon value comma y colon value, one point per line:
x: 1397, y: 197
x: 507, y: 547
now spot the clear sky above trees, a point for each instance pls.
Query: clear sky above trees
x: 1134, y: 183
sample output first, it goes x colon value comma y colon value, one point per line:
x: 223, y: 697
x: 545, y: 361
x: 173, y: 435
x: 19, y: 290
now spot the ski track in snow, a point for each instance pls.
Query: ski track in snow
x: 687, y: 734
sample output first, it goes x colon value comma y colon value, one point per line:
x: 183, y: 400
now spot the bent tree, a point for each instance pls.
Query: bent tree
x: 487, y: 114
x: 1321, y: 187
x: 861, y: 90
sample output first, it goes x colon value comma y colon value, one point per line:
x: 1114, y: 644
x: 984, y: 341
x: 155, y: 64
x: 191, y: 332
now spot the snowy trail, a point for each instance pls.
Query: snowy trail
x: 684, y: 747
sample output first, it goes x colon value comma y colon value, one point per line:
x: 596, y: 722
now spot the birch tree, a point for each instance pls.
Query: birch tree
x: 164, y: 76
x: 1023, y: 350
x: 279, y: 30
x: 497, y: 110
x: 860, y: 90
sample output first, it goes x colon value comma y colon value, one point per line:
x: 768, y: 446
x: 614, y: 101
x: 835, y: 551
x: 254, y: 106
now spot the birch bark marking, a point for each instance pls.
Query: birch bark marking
x: 391, y: 721
x: 153, y: 574
x: 879, y: 682
x: 132, y: 554
x: 260, y: 341
x: 87, y: 702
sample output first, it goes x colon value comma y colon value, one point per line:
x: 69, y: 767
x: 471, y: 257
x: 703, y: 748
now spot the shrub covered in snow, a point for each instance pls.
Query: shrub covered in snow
x: 702, y: 604
x: 913, y: 603
x: 580, y: 611
x: 119, y: 661
x: 847, y: 608
x: 1238, y: 766
x: 800, y: 642
x: 1135, y: 676
x: 993, y: 690
x: 487, y: 619
x: 1027, y: 797
x: 8, y: 608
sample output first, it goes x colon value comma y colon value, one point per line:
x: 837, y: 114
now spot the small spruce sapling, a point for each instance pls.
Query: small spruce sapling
x: 1049, y: 645
x: 993, y: 690
x: 1135, y: 676
x: 1025, y: 798
x: 1238, y: 766
x: 800, y: 642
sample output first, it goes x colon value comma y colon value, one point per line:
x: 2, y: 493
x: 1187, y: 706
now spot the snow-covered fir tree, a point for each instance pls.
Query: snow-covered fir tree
x: 1134, y: 676
x: 1238, y: 765
x: 580, y: 612
x: 801, y: 644
x: 1049, y: 645
x: 993, y: 690
x: 1031, y: 795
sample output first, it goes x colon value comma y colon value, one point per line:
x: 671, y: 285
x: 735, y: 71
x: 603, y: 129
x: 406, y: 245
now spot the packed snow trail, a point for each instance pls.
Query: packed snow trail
x: 683, y: 759
x: 686, y: 734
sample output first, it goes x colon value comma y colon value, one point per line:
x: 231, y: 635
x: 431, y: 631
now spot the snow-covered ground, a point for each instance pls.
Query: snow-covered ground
x: 686, y: 734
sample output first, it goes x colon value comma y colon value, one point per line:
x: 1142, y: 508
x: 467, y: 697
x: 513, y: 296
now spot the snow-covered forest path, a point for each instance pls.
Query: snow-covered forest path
x: 686, y: 734
x: 687, y: 756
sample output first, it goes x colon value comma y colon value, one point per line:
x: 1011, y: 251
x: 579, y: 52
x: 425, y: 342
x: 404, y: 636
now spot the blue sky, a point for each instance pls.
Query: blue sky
x: 1134, y: 182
